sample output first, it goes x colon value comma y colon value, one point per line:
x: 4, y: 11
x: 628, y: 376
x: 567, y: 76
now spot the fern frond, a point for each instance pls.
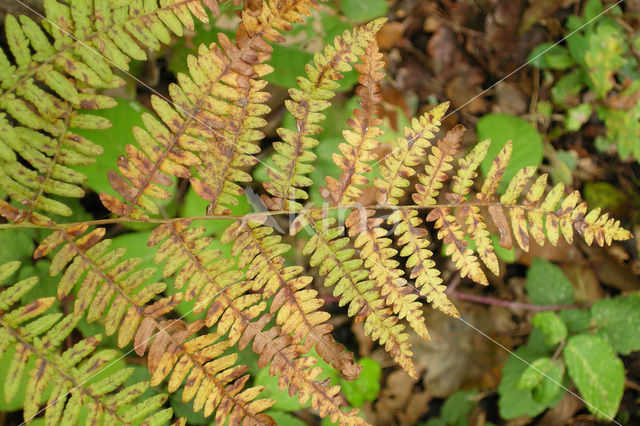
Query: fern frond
x: 297, y: 307
x: 546, y: 218
x: 109, y: 287
x: 374, y: 250
x: 328, y: 252
x: 232, y: 311
x: 439, y: 163
x: 299, y: 373
x: 214, y: 381
x: 67, y: 373
x: 361, y: 138
x: 214, y: 124
x: 397, y: 167
x: 414, y: 241
x: 293, y: 153
x: 411, y: 149
x: 53, y: 73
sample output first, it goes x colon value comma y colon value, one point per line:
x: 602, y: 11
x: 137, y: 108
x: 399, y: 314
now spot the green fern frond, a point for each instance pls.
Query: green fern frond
x: 51, y: 72
x: 110, y: 286
x: 67, y: 374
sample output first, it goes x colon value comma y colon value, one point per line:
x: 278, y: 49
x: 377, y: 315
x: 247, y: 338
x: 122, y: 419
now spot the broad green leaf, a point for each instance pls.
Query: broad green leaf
x: 544, y: 377
x: 456, y: 409
x: 551, y: 325
x: 16, y: 244
x: 515, y: 402
x: 195, y: 205
x: 125, y: 116
x: 577, y: 320
x: 547, y: 284
x: 597, y: 372
x: 282, y: 418
x: 618, y: 322
x: 361, y: 11
x: 366, y: 387
x: 527, y: 143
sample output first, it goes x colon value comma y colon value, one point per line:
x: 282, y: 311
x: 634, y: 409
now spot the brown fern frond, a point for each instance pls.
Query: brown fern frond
x: 51, y: 72
x: 361, y: 138
x: 197, y: 365
x: 298, y: 373
x: 66, y: 372
x: 378, y: 257
x: 328, y: 252
x: 108, y: 286
x: 293, y: 154
x: 168, y: 148
x: 296, y: 307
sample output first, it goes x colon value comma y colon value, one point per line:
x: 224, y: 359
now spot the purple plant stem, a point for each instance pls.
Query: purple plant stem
x: 515, y: 305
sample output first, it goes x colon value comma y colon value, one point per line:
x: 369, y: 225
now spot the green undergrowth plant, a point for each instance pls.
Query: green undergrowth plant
x: 572, y: 345
x: 188, y: 301
x: 595, y: 73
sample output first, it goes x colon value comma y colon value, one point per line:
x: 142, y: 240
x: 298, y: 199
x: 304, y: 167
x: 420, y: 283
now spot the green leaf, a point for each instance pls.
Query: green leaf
x: 456, y: 409
x: 126, y: 114
x: 284, y: 418
x: 605, y: 196
x: 597, y: 372
x: 547, y: 284
x: 592, y: 9
x: 527, y: 143
x: 577, y: 320
x: 515, y: 402
x: 361, y: 11
x: 544, y: 377
x: 567, y: 90
x: 618, y: 322
x: 21, y: 243
x: 551, y: 325
x: 577, y: 116
x: 548, y: 56
x: 366, y: 387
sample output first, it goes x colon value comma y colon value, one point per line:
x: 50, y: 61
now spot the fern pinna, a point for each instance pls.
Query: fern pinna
x: 378, y: 261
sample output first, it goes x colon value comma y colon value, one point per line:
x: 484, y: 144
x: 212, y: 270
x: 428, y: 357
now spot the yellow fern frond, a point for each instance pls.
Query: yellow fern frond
x: 361, y: 138
x: 296, y: 307
x: 328, y: 252
x: 293, y: 153
x: 374, y: 250
x: 109, y: 286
